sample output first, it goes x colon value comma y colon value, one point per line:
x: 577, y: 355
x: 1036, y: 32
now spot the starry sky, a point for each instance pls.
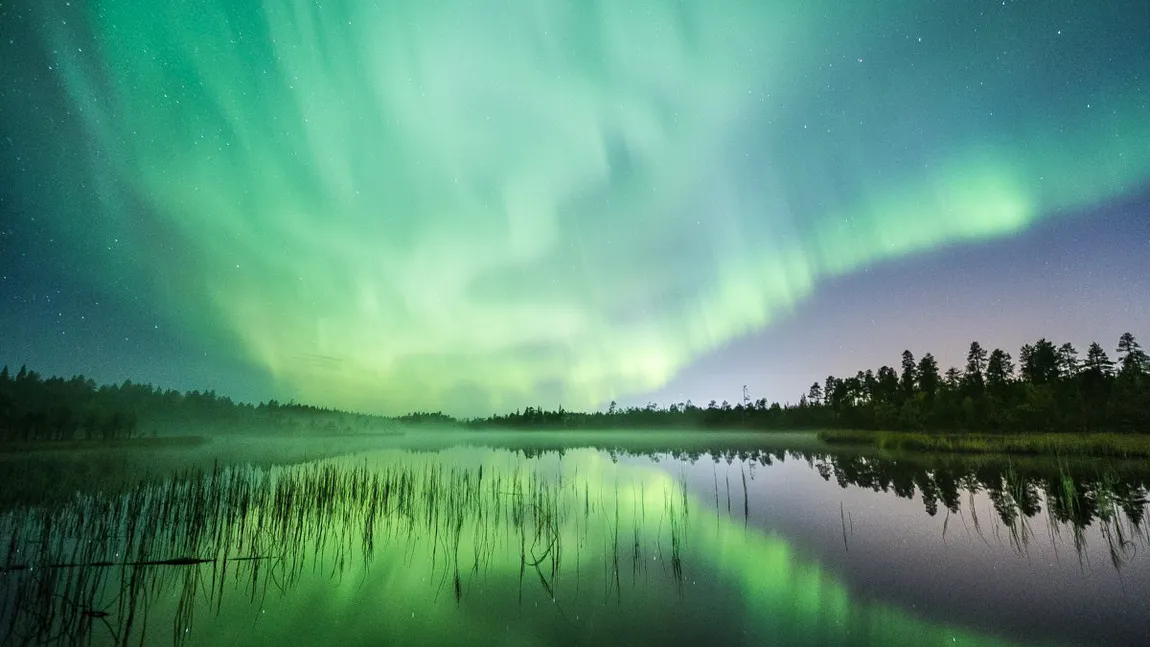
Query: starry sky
x: 388, y: 205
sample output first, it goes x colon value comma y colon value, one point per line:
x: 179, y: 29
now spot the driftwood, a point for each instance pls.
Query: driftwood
x: 174, y: 561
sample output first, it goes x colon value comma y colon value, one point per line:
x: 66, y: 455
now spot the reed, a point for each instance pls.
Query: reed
x: 97, y: 562
x: 1111, y: 445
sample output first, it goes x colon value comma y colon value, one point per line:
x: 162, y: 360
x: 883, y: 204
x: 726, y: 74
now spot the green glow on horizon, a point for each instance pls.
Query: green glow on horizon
x: 395, y: 206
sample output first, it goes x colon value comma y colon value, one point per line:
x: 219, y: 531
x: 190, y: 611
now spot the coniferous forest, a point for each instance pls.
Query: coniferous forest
x: 33, y: 408
x: 1047, y: 388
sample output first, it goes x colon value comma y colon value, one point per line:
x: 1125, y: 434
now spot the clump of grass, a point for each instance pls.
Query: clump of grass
x: 1110, y: 445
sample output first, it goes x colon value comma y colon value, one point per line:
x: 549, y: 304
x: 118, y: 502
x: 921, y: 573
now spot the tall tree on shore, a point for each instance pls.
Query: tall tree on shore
x: 1067, y: 360
x: 909, y: 377
x: 1131, y: 402
x: 1097, y: 362
x: 1039, y: 362
x: 974, y: 380
x: 1131, y: 356
x: 953, y: 378
x: 999, y: 372
x: 928, y: 377
x: 888, y: 385
x: 815, y: 395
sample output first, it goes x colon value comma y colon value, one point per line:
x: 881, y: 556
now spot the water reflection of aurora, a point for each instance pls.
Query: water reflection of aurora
x: 464, y: 546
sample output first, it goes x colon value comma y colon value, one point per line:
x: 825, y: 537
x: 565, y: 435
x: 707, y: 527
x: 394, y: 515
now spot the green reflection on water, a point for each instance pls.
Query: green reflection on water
x: 466, y: 546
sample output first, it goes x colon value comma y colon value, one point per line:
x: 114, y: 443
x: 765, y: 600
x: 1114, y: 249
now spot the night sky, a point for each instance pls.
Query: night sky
x: 475, y: 206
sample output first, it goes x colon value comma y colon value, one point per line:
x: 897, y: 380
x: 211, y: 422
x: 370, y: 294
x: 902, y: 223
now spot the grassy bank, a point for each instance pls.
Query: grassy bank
x: 1061, y: 444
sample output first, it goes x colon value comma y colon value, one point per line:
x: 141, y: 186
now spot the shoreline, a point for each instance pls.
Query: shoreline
x: 1094, y: 444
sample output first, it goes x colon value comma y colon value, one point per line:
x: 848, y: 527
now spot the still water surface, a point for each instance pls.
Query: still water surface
x: 502, y: 546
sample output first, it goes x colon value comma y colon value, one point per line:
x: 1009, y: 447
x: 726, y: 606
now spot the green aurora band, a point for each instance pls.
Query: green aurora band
x: 471, y: 206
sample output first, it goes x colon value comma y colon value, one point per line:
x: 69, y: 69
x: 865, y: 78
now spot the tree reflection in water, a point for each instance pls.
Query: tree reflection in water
x: 95, y: 567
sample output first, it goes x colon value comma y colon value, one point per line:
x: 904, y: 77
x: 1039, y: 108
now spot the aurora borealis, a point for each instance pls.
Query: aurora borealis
x: 389, y: 206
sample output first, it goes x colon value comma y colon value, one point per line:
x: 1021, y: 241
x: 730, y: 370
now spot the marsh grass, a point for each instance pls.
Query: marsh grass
x: 99, y: 562
x: 1110, y: 445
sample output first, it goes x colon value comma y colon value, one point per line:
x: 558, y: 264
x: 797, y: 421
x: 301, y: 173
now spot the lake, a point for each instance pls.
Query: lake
x: 577, y: 539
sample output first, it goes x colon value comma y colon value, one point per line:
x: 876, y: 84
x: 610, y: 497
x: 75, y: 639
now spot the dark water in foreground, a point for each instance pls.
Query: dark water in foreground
x: 480, y: 546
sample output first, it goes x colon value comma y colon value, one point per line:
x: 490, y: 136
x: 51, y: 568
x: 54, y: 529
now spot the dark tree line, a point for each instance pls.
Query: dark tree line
x: 1051, y: 388
x: 32, y: 408
x: 60, y: 409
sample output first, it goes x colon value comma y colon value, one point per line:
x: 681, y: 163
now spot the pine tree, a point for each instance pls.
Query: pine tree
x: 909, y: 376
x: 928, y: 377
x: 1039, y: 363
x: 973, y: 380
x: 999, y: 371
x: 815, y: 395
x: 1131, y: 356
x: 1097, y: 361
x: 953, y: 378
x: 1067, y: 360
